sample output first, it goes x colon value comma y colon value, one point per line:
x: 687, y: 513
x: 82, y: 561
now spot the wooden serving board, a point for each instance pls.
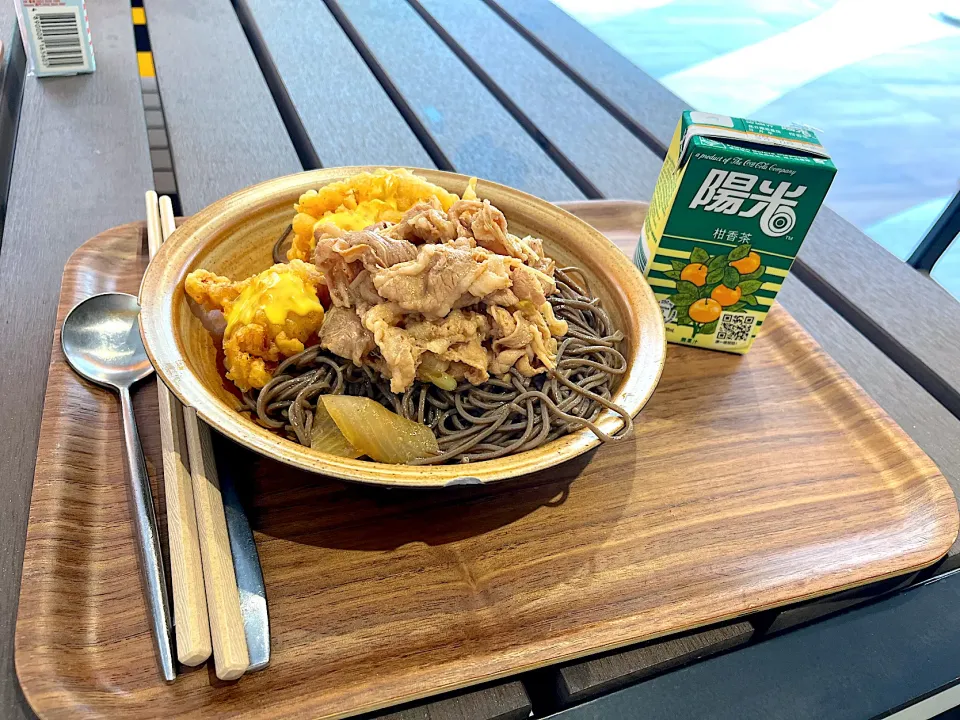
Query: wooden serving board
x: 754, y: 481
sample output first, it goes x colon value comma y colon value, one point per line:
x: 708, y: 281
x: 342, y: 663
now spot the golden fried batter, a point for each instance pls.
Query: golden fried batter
x: 269, y: 316
x: 361, y: 201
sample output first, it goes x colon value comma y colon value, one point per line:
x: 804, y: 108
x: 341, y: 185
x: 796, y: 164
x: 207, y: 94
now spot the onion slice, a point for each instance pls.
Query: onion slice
x: 379, y: 433
x: 326, y: 437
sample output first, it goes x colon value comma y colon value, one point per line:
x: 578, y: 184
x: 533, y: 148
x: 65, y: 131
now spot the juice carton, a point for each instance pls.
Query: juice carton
x: 733, y: 202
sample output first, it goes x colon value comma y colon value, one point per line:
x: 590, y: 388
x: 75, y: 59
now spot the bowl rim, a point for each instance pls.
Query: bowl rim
x: 158, y: 330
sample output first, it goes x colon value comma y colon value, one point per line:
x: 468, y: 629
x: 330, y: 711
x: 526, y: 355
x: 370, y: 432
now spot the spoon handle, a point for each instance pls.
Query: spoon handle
x: 147, y: 539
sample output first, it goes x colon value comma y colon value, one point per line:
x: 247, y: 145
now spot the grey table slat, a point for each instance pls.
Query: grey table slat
x: 14, y: 486
x: 912, y: 317
x: 347, y: 116
x: 474, y: 131
x: 589, y: 678
x: 81, y: 166
x: 612, y: 158
x: 508, y: 701
x: 856, y: 665
x: 623, y: 85
x: 224, y: 127
x: 8, y: 26
x: 12, y: 73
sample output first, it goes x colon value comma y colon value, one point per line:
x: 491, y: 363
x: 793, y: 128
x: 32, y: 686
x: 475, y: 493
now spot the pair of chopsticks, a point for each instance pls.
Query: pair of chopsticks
x: 206, y: 600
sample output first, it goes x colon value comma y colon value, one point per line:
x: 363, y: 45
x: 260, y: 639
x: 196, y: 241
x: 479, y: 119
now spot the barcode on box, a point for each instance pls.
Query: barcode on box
x: 734, y: 328
x: 59, y: 38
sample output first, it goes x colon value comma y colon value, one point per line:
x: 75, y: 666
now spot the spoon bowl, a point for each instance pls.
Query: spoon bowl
x: 101, y: 340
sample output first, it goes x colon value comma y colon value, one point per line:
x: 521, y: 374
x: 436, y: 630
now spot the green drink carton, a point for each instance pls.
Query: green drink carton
x: 733, y: 202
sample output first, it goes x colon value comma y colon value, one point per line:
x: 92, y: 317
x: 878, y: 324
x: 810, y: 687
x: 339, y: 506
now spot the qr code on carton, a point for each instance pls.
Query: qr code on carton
x: 734, y: 328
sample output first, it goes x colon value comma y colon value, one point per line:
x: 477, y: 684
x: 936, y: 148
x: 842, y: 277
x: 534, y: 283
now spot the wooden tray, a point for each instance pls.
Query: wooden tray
x: 753, y: 482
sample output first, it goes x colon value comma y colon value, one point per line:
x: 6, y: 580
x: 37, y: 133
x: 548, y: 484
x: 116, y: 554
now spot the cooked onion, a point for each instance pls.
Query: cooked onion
x: 326, y: 437
x: 378, y: 433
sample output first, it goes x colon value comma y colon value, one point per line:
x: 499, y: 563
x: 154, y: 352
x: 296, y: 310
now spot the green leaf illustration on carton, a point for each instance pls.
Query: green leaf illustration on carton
x: 755, y: 275
x: 748, y: 287
x: 685, y: 288
x: 699, y: 255
x: 717, y: 262
x: 731, y: 277
x: 739, y: 252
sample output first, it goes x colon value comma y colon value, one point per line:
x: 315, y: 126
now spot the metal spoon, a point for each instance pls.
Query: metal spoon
x: 101, y: 340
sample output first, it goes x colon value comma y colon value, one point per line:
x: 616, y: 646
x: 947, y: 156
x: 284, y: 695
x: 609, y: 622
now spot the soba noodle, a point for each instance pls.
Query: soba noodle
x: 472, y: 422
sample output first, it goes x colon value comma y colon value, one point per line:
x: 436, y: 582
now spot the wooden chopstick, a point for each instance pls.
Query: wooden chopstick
x: 230, y: 653
x: 189, y: 599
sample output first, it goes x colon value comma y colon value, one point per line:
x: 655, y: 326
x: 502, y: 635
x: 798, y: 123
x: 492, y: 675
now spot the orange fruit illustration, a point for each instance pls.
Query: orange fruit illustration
x: 705, y: 310
x: 695, y: 273
x: 747, y: 265
x: 725, y: 296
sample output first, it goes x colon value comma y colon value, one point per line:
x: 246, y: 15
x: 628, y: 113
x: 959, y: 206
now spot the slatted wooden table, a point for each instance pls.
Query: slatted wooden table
x: 511, y: 90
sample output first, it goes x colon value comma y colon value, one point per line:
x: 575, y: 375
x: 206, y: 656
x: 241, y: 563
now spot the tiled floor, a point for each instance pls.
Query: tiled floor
x: 880, y: 80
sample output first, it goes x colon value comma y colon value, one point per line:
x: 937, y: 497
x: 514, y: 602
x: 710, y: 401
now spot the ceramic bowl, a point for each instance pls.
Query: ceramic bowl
x: 235, y: 236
